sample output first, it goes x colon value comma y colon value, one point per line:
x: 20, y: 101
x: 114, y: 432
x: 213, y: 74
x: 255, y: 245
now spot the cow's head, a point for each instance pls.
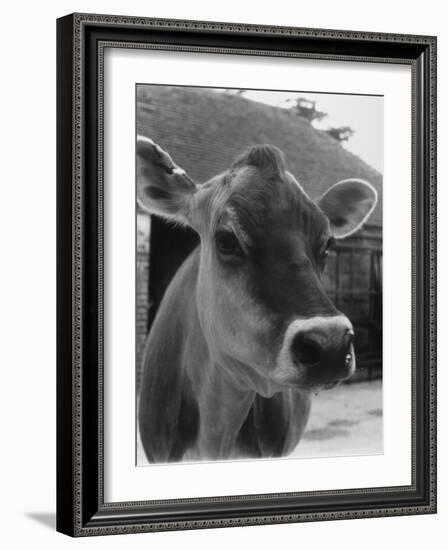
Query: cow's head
x: 264, y: 242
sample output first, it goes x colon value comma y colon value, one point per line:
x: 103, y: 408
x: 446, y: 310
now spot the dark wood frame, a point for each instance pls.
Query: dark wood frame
x: 81, y: 509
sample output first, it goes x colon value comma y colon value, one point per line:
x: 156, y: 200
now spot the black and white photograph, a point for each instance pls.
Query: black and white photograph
x: 258, y: 329
x: 219, y: 274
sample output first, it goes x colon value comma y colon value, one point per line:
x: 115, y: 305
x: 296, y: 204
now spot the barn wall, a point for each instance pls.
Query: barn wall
x: 353, y: 280
x: 142, y: 302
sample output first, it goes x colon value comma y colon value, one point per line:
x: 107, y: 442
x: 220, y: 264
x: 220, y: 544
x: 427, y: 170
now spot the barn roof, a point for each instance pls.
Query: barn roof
x: 204, y: 131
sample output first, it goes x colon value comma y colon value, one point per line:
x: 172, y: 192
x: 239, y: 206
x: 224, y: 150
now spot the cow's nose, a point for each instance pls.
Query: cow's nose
x: 312, y: 347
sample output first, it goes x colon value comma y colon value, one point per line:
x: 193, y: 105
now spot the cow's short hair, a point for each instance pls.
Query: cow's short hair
x: 268, y: 159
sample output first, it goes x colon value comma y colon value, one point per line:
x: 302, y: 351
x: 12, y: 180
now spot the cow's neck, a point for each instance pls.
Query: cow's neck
x: 223, y: 406
x: 225, y: 390
x: 223, y: 399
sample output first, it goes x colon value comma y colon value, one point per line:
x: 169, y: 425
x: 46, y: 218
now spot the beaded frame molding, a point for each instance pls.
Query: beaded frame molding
x: 81, y: 39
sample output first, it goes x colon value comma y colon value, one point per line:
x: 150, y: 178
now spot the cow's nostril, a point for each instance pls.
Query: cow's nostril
x: 305, y: 350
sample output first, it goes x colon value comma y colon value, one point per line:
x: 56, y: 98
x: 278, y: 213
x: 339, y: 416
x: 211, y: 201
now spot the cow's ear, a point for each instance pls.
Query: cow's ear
x: 163, y: 188
x: 348, y: 204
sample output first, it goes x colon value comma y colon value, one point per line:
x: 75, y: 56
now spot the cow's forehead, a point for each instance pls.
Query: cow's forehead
x: 264, y: 205
x: 263, y: 196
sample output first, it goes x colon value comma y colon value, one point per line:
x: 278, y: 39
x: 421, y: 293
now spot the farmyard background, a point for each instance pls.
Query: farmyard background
x: 204, y: 130
x: 27, y: 221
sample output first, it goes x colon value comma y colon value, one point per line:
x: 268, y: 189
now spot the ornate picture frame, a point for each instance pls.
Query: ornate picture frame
x: 81, y: 506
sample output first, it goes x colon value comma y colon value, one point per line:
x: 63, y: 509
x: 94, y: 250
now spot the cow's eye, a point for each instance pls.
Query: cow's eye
x: 228, y: 244
x: 328, y: 247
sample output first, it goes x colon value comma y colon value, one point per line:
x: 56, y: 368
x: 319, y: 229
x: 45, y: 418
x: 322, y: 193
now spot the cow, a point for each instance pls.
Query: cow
x: 245, y: 333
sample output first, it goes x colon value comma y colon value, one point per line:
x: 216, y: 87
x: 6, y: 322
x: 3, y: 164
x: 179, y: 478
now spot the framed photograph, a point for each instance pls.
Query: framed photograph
x: 246, y: 274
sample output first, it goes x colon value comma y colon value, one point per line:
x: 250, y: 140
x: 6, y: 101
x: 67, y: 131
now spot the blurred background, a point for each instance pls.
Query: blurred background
x: 325, y: 138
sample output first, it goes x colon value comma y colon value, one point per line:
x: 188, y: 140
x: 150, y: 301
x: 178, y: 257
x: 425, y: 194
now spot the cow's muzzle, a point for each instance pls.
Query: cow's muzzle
x: 321, y: 349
